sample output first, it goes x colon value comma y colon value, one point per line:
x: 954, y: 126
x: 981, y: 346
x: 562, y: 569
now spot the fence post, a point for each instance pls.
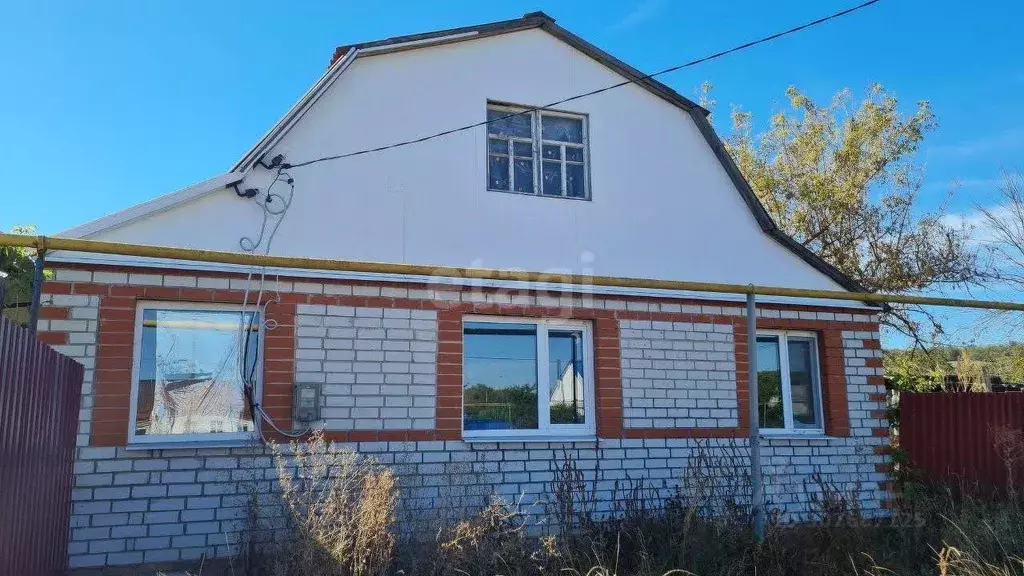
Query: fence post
x: 756, y: 489
x: 3, y: 284
x: 37, y: 290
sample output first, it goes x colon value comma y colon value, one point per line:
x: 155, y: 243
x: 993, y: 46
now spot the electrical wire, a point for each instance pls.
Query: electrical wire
x: 279, y: 210
x: 272, y: 205
x: 530, y: 110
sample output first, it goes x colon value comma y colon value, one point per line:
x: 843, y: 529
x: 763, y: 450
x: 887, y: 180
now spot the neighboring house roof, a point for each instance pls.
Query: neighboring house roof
x: 343, y: 57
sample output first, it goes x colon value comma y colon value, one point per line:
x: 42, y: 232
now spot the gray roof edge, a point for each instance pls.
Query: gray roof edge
x: 531, y: 20
x: 542, y: 20
x: 623, y: 69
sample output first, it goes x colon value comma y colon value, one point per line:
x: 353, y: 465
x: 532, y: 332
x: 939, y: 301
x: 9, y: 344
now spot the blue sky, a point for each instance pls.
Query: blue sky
x: 107, y: 104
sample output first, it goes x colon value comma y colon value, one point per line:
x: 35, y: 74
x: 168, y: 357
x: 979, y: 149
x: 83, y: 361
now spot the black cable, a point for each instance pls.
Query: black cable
x: 248, y: 382
x: 592, y: 92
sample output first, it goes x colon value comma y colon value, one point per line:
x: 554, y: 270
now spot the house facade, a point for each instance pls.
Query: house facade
x: 468, y: 387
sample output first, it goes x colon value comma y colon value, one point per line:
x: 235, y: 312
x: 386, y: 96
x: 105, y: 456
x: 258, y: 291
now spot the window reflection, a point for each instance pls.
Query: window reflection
x: 565, y: 366
x: 769, y: 383
x: 801, y: 378
x: 190, y: 378
x: 500, y: 376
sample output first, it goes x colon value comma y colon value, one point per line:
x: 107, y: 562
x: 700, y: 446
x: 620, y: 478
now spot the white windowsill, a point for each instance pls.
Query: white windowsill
x: 521, y: 438
x: 537, y: 195
x: 195, y: 444
x: 788, y: 435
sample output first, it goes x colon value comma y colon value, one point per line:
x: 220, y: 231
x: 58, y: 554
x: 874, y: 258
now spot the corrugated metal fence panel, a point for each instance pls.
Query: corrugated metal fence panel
x: 40, y: 391
x: 954, y: 436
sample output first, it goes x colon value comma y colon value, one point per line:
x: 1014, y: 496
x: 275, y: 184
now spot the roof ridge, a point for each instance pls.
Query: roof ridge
x: 530, y: 19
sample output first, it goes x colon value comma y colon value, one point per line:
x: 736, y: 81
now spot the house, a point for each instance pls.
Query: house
x: 187, y: 361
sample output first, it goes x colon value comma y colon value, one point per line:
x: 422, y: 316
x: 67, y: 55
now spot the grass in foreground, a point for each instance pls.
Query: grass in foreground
x: 336, y: 515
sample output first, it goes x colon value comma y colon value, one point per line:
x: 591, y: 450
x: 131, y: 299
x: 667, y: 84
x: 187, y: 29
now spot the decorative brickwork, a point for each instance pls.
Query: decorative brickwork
x: 389, y: 360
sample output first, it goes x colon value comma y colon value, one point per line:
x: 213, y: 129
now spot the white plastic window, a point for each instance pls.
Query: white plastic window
x: 190, y: 369
x: 527, y: 378
x: 789, y: 383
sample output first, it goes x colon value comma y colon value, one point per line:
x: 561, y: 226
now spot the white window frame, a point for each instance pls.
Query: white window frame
x: 160, y: 441
x: 545, y: 430
x: 789, y: 428
x: 537, y: 144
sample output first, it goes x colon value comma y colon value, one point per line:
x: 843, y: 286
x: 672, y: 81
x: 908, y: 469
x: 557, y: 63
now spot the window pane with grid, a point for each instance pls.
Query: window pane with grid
x: 549, y: 160
x: 499, y: 177
x: 510, y: 151
x: 564, y: 173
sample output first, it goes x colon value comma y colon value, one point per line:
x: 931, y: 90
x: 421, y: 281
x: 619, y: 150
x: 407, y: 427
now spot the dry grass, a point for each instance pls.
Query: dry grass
x: 334, y: 514
x: 954, y: 562
x: 338, y: 511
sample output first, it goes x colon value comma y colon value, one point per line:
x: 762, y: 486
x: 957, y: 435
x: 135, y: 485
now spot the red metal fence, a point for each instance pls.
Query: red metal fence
x: 968, y: 436
x: 40, y: 391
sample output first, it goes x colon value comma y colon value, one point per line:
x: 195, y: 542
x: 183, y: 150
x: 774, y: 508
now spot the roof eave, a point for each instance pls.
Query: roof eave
x: 296, y: 112
x: 636, y: 76
x: 158, y: 204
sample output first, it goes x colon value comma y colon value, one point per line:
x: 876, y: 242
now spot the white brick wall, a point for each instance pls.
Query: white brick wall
x: 132, y: 507
x: 678, y: 374
x: 857, y: 388
x: 166, y: 505
x: 376, y: 366
x: 81, y: 329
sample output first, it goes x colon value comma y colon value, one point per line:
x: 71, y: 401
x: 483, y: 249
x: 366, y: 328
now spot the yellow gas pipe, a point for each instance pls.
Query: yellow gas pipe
x: 49, y: 243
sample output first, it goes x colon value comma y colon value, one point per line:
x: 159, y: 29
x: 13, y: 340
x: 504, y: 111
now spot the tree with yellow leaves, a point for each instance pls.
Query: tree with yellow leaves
x: 842, y: 180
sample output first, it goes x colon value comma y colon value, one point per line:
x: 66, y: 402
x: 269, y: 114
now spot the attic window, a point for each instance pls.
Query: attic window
x: 539, y: 152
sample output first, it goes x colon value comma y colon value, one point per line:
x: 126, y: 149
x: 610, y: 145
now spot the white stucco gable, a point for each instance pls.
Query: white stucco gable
x: 664, y: 202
